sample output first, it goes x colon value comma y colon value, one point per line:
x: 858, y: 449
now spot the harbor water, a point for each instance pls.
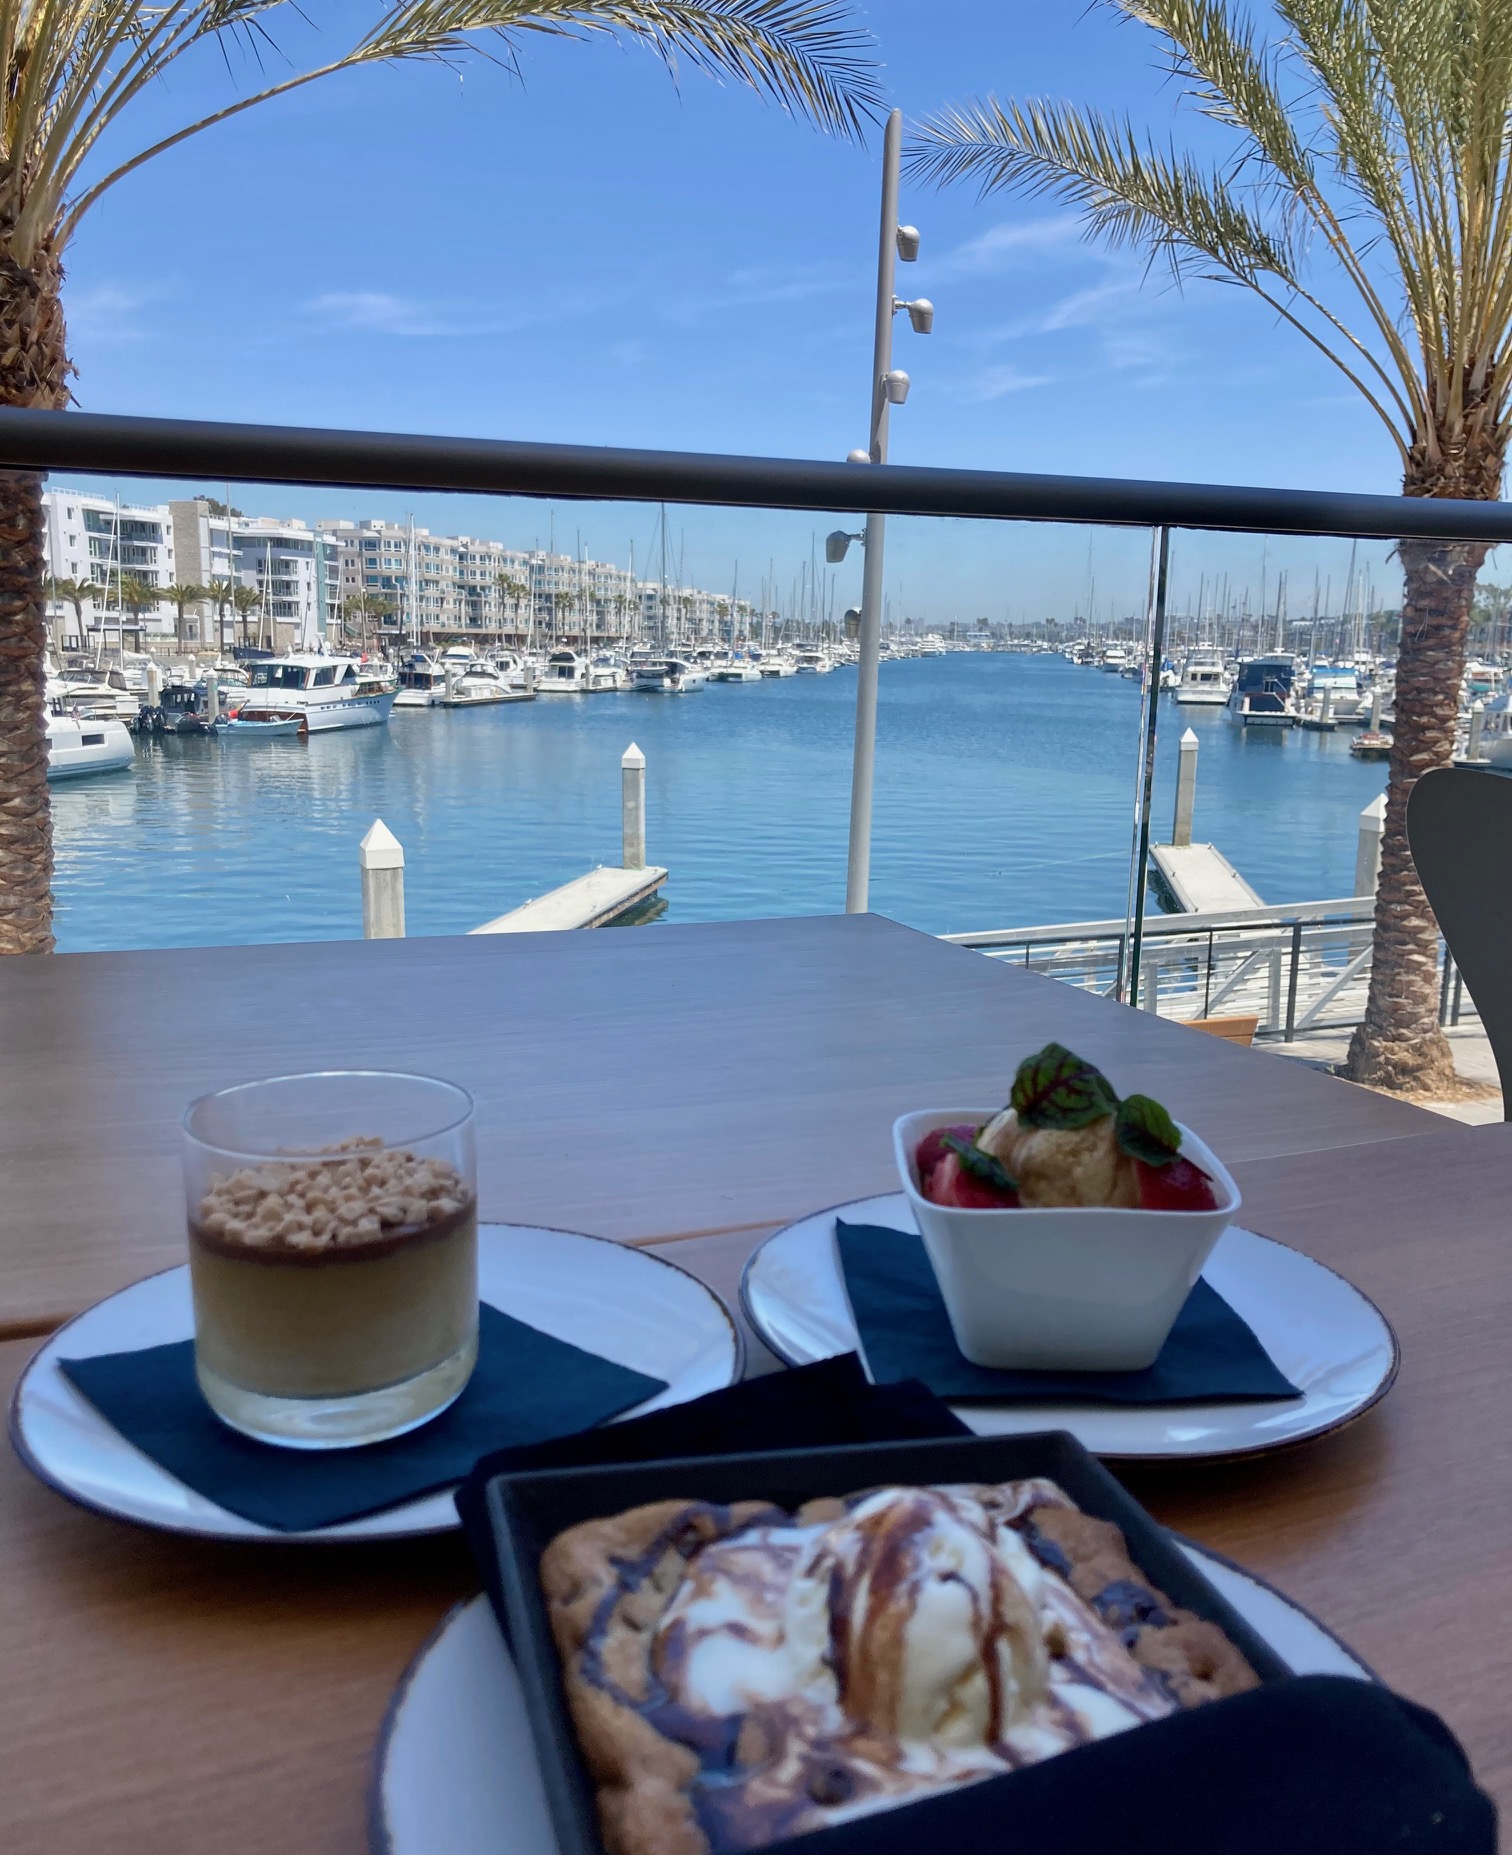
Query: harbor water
x: 1004, y: 798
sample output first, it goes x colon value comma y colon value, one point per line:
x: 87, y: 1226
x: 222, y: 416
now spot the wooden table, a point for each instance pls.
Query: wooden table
x: 635, y: 1084
x: 167, y: 1698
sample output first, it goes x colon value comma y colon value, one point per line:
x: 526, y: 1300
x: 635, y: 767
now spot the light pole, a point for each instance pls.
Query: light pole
x: 889, y: 388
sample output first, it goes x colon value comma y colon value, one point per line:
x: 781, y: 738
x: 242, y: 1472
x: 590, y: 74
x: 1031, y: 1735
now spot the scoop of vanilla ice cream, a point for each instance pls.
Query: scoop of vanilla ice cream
x: 1063, y: 1165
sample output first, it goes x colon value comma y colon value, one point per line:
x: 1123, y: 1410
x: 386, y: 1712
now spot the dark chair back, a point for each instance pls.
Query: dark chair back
x: 1459, y: 828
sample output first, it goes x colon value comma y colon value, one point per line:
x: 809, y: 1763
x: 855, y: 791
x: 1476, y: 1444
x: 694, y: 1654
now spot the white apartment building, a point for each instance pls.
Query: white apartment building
x: 293, y: 568
x: 96, y: 541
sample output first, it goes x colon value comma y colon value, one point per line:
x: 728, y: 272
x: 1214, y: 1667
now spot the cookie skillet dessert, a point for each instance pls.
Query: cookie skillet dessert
x: 740, y: 1674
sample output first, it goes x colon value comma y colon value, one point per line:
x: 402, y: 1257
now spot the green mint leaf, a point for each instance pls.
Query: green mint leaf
x: 981, y: 1165
x: 1146, y: 1131
x: 1057, y: 1089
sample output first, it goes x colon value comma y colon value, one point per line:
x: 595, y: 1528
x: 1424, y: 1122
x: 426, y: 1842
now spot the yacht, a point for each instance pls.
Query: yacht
x: 566, y: 674
x: 1204, y: 680
x: 1496, y: 732
x: 608, y: 672
x: 470, y: 684
x: 1263, y: 695
x: 422, y: 683
x: 814, y: 663
x: 673, y: 676
x: 1115, y: 659
x: 96, y: 689
x: 778, y: 664
x: 738, y: 670
x: 324, y: 693
x: 79, y: 744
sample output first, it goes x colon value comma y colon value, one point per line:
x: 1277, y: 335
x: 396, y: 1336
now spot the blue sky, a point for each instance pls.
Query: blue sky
x: 589, y: 254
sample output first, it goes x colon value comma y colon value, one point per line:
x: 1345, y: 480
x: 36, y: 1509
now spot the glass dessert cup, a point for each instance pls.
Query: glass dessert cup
x: 333, y: 1254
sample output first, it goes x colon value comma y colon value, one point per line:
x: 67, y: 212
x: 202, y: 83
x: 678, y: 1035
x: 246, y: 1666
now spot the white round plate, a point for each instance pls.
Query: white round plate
x: 1332, y: 1343
x: 456, y: 1765
x: 624, y: 1304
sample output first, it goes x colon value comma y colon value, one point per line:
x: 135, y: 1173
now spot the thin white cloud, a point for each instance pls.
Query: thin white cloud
x: 107, y: 313
x: 1004, y: 246
x: 999, y: 382
x: 755, y: 288
x: 383, y: 313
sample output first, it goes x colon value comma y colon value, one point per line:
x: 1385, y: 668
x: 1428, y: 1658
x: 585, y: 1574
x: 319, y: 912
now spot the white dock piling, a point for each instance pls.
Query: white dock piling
x: 1186, y: 789
x: 154, y: 686
x: 1477, y: 723
x: 633, y: 808
x: 380, y: 857
x: 1375, y: 710
x: 212, y: 695
x: 1368, y: 846
x: 1325, y: 711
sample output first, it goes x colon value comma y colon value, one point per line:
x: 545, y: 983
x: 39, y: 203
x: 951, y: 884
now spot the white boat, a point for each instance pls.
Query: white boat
x: 269, y: 728
x: 325, y: 693
x: 471, y: 685
x: 566, y: 674
x: 1264, y: 693
x: 1115, y: 659
x: 1204, y: 681
x: 1496, y: 732
x: 737, y: 670
x: 814, y: 663
x: 421, y: 684
x: 608, y: 673
x: 80, y: 744
x: 93, y: 688
x: 780, y: 665
x: 673, y: 676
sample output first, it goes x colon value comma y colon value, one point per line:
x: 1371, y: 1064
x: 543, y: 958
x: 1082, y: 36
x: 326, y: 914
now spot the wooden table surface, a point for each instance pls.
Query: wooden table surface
x: 165, y: 1697
x: 635, y: 1083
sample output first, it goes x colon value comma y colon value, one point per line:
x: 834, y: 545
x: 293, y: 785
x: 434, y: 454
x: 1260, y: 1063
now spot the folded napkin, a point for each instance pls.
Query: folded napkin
x: 526, y: 1386
x: 1211, y: 1357
x: 1320, y: 1765
x: 814, y: 1406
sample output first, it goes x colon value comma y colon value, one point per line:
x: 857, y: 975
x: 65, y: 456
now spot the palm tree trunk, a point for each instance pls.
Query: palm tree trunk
x: 1399, y: 1044
x: 34, y: 370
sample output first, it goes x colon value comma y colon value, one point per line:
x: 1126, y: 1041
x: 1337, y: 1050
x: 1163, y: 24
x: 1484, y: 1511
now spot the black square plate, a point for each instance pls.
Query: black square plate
x: 527, y: 1511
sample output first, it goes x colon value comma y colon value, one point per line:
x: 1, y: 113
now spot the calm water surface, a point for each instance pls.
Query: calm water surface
x: 1004, y: 799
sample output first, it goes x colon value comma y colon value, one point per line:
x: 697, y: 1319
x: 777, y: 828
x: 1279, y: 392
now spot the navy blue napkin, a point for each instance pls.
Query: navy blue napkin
x: 1211, y: 1357
x: 526, y: 1387
x: 1318, y: 1765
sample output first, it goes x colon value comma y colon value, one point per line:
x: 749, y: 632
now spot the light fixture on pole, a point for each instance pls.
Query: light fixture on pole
x: 889, y: 388
x: 837, y: 546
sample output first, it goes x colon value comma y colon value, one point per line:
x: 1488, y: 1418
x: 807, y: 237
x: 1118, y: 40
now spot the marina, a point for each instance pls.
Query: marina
x: 1004, y: 789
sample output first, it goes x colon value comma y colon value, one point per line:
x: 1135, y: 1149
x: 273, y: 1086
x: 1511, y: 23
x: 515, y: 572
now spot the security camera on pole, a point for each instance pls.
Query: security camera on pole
x: 889, y: 388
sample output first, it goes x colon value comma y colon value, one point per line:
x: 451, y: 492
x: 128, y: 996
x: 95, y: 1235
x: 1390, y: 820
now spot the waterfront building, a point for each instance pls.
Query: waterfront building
x: 293, y: 568
x: 98, y: 541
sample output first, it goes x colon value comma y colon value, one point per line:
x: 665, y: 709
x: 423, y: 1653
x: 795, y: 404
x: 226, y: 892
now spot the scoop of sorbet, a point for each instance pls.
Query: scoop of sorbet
x: 1063, y: 1165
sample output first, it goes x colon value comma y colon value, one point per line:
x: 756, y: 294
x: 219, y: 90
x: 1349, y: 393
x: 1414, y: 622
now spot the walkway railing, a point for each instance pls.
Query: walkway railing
x: 140, y: 447
x: 1297, y: 969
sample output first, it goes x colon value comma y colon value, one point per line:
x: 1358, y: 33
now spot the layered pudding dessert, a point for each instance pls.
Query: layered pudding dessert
x: 741, y: 1674
x: 333, y: 1274
x: 1065, y: 1138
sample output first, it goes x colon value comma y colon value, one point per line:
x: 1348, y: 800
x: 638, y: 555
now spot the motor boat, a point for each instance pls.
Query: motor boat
x: 80, y: 744
x: 737, y: 670
x: 325, y: 693
x: 1204, y: 681
x: 608, y: 673
x: 1264, y: 695
x: 566, y: 674
x: 672, y: 676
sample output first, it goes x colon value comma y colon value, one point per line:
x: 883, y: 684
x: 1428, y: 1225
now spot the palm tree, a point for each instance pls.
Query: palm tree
x: 74, y: 593
x: 71, y: 75
x: 1366, y: 198
x: 245, y: 600
x: 182, y: 594
x: 220, y: 593
x: 136, y: 596
x: 363, y: 606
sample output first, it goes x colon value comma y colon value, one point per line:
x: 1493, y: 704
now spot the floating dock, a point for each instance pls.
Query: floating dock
x: 598, y: 899
x: 1200, y: 880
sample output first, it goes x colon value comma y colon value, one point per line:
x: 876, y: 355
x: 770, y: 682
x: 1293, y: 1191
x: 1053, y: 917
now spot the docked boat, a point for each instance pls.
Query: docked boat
x: 1496, y: 732
x: 673, y: 676
x: 566, y: 674
x: 608, y: 674
x: 1263, y: 695
x: 422, y: 682
x: 324, y: 693
x: 268, y: 728
x: 1204, y: 679
x: 779, y: 664
x: 471, y: 684
x: 1371, y: 745
x: 1115, y: 660
x: 815, y: 663
x: 737, y: 670
x: 80, y: 744
x: 94, y: 689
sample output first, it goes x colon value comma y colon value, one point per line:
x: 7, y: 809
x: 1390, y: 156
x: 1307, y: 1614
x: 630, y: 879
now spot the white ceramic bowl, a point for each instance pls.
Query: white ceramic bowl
x: 1069, y: 1288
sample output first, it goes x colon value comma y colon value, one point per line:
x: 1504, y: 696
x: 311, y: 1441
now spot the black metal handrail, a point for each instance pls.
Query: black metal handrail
x: 123, y: 446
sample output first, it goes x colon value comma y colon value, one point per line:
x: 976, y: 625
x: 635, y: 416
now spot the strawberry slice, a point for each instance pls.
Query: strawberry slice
x: 932, y: 1148
x: 950, y: 1183
x: 1176, y: 1186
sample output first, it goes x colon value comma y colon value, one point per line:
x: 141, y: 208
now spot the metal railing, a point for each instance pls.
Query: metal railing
x: 1298, y: 968
x: 124, y: 446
